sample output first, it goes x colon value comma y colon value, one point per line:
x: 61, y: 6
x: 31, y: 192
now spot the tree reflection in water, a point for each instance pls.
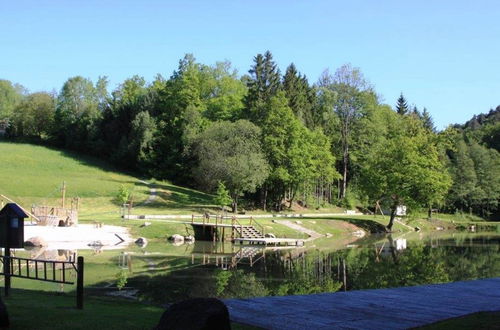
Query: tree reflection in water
x: 385, y: 263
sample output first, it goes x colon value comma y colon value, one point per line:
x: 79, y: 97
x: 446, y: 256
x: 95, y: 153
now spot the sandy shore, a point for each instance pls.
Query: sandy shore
x: 80, y: 237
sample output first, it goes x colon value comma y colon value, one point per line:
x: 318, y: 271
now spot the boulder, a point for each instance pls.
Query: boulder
x: 176, y: 238
x: 328, y: 235
x: 4, y: 316
x: 270, y: 235
x: 189, y: 238
x: 141, y: 242
x: 145, y: 224
x: 195, y: 314
x: 35, y: 242
x: 298, y: 222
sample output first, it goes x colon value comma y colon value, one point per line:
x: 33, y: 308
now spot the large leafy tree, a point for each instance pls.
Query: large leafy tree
x: 407, y: 169
x: 78, y: 113
x: 297, y: 156
x: 348, y: 86
x: 10, y: 96
x: 33, y: 116
x: 230, y: 153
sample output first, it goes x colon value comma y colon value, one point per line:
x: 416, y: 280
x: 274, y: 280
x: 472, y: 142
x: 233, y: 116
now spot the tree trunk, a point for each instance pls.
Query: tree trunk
x: 393, y: 215
x: 344, y: 174
x: 234, y: 205
x: 263, y: 197
x: 429, y: 213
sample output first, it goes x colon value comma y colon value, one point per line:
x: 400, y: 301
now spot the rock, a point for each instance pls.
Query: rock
x: 417, y: 228
x: 189, y: 238
x: 328, y: 235
x: 141, y: 242
x: 439, y: 228
x: 176, y: 238
x: 312, y: 221
x: 196, y: 314
x: 95, y: 244
x: 298, y: 222
x: 359, y: 233
x: 270, y: 235
x: 273, y: 221
x: 145, y: 224
x: 4, y: 316
x: 35, y: 242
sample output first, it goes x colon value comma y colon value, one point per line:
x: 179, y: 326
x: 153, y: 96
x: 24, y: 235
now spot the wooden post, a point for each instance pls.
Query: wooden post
x: 6, y: 269
x: 345, y: 275
x: 63, y: 190
x: 79, y: 283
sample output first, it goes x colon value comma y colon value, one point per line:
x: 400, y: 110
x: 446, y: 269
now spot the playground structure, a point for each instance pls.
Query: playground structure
x: 54, y: 216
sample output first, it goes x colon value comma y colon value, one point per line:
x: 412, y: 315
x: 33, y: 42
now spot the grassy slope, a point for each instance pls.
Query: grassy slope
x: 33, y: 175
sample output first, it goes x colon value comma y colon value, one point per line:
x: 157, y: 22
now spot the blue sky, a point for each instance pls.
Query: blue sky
x: 444, y: 55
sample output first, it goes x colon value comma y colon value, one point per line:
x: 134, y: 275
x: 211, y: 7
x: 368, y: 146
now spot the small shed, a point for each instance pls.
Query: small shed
x: 12, y: 226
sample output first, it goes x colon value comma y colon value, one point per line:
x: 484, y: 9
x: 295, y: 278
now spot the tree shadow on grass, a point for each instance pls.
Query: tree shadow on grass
x: 367, y: 225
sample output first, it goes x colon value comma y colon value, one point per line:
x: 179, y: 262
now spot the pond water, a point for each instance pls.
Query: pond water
x: 164, y: 273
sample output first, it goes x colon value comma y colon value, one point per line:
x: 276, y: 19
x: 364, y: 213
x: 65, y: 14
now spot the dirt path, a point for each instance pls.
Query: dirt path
x: 153, y: 194
x: 311, y: 233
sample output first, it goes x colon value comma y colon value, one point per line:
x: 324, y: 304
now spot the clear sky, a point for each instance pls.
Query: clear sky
x: 444, y: 55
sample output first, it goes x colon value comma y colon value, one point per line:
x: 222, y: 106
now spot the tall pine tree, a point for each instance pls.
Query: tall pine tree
x: 402, y: 105
x: 264, y: 83
x: 300, y: 95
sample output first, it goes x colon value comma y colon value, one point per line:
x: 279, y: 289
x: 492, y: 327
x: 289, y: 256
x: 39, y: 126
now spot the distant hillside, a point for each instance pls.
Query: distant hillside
x: 477, y: 121
x: 484, y: 128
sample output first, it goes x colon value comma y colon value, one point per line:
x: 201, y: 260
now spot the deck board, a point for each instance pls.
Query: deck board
x: 394, y: 308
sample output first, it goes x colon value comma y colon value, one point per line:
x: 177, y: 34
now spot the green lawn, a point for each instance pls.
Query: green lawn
x: 33, y: 174
x: 52, y: 311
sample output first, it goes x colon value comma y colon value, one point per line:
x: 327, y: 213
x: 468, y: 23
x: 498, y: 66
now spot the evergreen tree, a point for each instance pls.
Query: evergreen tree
x: 402, y: 106
x: 300, y: 95
x: 263, y: 84
x: 427, y: 121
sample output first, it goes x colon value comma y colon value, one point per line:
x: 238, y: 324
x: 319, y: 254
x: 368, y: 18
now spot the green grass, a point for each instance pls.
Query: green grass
x: 33, y: 174
x: 44, y: 310
x: 51, y: 311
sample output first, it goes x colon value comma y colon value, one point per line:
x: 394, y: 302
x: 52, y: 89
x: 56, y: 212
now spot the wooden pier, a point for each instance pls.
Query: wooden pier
x: 395, y: 308
x: 268, y: 241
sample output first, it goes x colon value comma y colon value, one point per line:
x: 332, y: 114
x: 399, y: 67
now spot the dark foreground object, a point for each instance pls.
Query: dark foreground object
x: 195, y: 314
x: 4, y: 316
x: 396, y: 308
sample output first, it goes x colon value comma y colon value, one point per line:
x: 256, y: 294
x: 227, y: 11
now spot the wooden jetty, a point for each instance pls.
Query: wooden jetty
x: 216, y: 229
x: 268, y: 241
x: 395, y: 308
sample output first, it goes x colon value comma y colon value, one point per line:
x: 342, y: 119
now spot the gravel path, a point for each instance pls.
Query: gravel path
x: 311, y: 233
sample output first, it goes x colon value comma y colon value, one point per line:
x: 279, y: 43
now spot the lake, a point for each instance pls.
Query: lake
x: 162, y: 272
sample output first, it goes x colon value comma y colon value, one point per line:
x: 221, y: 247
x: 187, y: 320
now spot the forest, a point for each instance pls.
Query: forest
x: 269, y: 140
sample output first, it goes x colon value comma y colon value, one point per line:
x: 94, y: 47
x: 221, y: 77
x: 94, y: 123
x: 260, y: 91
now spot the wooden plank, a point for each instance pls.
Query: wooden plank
x: 394, y: 308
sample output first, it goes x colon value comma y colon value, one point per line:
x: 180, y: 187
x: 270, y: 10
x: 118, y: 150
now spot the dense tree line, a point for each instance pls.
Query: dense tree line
x: 275, y: 139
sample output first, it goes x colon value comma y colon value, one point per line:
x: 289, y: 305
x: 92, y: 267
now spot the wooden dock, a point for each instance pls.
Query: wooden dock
x: 268, y: 241
x: 395, y: 308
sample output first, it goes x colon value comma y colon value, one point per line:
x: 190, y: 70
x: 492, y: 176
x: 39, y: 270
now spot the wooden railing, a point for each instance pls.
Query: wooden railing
x: 44, y: 270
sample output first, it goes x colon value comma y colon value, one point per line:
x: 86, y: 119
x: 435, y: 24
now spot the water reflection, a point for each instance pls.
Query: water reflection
x: 375, y: 262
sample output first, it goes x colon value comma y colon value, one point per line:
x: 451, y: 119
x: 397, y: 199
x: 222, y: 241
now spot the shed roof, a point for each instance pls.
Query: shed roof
x: 13, y: 207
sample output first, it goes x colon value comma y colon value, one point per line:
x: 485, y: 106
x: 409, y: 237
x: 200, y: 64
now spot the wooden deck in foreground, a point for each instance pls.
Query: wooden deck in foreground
x: 396, y: 308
